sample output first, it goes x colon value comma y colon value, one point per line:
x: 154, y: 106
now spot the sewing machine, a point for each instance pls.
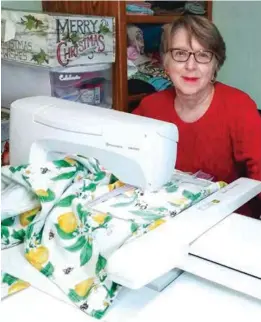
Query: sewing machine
x: 212, y: 255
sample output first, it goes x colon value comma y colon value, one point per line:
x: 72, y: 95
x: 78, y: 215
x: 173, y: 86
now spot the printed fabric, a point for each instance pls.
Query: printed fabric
x: 72, y: 214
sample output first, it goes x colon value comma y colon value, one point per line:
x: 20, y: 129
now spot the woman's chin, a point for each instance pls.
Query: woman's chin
x: 189, y: 90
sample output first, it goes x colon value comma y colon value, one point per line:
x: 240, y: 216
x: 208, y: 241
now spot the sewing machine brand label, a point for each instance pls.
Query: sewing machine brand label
x: 57, y: 40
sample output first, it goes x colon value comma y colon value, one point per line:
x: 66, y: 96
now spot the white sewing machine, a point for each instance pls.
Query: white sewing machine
x: 212, y: 259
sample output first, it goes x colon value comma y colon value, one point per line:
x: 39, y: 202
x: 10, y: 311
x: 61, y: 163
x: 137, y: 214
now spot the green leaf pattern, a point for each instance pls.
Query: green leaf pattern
x: 49, y: 197
x: 66, y: 202
x: 11, y: 284
x: 64, y: 176
x: 68, y: 232
x: 8, y: 279
x: 12, y: 233
x: 48, y: 270
x: 77, y: 245
x: 86, y: 253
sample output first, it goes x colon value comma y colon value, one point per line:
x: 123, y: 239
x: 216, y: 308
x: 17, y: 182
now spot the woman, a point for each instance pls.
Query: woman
x: 219, y: 126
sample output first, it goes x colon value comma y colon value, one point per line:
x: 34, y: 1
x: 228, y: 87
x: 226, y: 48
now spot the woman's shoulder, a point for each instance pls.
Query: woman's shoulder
x: 237, y: 104
x: 232, y: 94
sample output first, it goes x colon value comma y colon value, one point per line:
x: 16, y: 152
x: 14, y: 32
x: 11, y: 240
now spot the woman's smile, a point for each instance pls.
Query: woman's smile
x: 190, y: 79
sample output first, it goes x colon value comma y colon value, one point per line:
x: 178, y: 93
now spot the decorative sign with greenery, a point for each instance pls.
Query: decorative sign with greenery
x: 52, y: 40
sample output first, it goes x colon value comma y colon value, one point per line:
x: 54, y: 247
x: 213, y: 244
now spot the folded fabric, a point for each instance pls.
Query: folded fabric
x: 148, y: 210
x: 159, y: 83
x: 195, y: 7
x: 138, y: 9
x: 11, y: 285
x: 25, y: 201
x: 67, y: 241
x: 131, y: 68
x: 85, y: 215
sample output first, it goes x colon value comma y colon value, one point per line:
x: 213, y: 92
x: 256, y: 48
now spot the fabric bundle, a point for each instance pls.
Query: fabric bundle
x: 72, y: 214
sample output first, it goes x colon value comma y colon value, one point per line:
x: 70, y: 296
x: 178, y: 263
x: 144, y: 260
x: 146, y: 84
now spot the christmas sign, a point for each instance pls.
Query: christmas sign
x: 57, y: 40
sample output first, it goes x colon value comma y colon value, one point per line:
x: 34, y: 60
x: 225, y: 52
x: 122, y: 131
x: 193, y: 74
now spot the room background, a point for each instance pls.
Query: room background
x: 240, y: 25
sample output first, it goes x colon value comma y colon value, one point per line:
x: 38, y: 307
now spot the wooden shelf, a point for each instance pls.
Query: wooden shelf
x: 151, y: 19
x: 136, y: 97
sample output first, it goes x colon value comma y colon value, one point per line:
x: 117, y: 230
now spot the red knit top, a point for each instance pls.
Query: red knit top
x: 225, y: 142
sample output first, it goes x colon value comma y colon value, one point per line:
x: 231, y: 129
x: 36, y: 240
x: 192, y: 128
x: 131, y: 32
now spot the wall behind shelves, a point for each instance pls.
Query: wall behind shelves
x: 35, y: 5
x: 240, y: 24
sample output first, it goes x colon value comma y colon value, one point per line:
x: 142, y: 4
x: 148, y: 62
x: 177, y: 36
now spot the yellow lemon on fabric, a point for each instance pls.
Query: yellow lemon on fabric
x: 156, y: 224
x: 99, y: 218
x: 115, y: 185
x: 41, y: 193
x: 105, y: 303
x: 222, y: 184
x: 71, y: 161
x: 67, y: 222
x: 82, y: 288
x: 24, y: 217
x: 17, y: 286
x: 38, y: 256
x: 179, y: 201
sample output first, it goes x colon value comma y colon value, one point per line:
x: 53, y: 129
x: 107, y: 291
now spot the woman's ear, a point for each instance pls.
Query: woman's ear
x: 216, y: 66
x: 165, y: 63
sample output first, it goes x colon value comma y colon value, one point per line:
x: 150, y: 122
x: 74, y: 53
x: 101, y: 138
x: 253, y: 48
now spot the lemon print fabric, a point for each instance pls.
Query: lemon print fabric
x: 156, y: 224
x: 17, y: 286
x: 13, y: 229
x: 100, y: 218
x: 38, y: 256
x: 11, y: 284
x: 70, y: 161
x: 26, y: 217
x: 45, y: 195
x: 115, y: 185
x: 42, y: 193
x: 82, y: 289
x: 67, y: 222
x: 178, y: 201
x: 85, y: 215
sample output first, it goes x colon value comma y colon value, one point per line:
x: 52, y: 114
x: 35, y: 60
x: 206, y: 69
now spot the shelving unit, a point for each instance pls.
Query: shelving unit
x: 116, y: 9
x: 150, y: 19
x: 136, y: 97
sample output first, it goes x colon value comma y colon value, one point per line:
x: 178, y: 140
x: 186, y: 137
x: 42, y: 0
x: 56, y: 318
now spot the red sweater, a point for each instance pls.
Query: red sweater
x: 225, y: 142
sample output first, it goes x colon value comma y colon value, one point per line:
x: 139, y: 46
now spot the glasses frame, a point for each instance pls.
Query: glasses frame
x: 191, y: 53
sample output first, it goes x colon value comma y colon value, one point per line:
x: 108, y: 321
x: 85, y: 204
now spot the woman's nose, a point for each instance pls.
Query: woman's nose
x: 191, y: 63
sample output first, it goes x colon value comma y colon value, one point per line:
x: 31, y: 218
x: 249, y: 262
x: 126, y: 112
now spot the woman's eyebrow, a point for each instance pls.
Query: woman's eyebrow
x: 181, y: 47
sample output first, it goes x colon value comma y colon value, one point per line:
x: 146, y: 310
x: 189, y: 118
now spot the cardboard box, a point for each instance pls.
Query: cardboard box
x: 57, y: 40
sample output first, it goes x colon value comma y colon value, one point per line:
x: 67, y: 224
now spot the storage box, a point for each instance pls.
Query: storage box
x: 57, y: 40
x: 88, y: 84
x: 22, y: 80
x: 5, y: 115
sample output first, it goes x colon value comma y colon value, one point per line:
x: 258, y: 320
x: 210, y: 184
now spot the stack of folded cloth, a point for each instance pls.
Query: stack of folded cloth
x: 139, y: 8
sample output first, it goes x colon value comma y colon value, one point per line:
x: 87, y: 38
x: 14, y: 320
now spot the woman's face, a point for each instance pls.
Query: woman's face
x: 189, y: 77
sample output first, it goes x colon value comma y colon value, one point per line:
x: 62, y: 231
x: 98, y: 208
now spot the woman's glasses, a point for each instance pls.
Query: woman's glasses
x: 181, y: 55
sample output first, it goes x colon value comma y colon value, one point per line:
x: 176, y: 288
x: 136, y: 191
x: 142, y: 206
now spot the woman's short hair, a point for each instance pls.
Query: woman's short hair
x: 200, y: 28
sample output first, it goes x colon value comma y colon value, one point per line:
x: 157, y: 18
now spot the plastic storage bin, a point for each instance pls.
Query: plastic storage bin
x: 87, y: 84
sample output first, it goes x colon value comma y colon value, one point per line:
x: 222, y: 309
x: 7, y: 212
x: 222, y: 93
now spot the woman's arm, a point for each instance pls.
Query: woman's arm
x: 246, y: 138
